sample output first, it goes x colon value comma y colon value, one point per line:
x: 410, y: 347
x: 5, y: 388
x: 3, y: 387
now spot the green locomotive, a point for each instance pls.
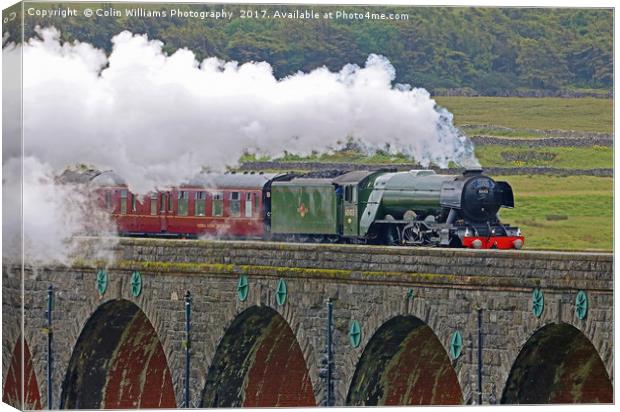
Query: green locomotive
x: 418, y: 207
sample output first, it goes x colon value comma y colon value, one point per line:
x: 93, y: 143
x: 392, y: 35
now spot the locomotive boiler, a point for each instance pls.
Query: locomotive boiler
x: 423, y: 208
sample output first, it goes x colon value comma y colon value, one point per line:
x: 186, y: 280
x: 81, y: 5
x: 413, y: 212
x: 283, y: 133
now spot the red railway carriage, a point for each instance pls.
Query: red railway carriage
x: 227, y: 206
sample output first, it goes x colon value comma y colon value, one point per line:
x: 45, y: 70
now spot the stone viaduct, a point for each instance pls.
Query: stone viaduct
x: 409, y: 326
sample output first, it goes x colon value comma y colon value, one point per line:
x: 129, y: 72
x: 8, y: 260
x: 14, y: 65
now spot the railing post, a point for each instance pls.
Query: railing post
x: 480, y: 356
x: 329, y: 352
x: 48, y: 315
x: 188, y: 313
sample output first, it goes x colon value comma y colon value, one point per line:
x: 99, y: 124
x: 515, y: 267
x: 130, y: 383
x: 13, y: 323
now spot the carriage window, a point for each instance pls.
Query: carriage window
x: 217, y: 204
x: 235, y: 204
x: 123, y: 202
x: 162, y: 203
x: 183, y: 202
x: 108, y: 199
x: 248, y: 205
x: 255, y: 201
x: 169, y: 202
x: 200, y: 203
x: 134, y: 200
x: 154, y: 203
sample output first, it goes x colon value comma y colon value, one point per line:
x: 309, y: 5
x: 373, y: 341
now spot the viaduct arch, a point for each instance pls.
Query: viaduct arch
x: 12, y: 391
x: 118, y: 363
x: 258, y: 363
x: 404, y: 363
x: 558, y: 364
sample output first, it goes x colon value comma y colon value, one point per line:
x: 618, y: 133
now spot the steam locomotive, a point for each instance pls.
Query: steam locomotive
x: 418, y: 208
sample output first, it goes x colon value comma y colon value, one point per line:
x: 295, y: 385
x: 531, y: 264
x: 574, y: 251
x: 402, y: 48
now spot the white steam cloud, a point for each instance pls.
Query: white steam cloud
x: 53, y: 215
x: 157, y: 119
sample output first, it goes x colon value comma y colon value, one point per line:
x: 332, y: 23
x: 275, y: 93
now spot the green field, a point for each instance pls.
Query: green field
x: 573, y: 212
x: 583, y: 114
x: 594, y: 157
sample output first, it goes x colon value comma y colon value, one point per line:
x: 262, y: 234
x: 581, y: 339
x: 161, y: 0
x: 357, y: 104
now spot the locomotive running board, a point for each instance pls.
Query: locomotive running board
x: 389, y: 221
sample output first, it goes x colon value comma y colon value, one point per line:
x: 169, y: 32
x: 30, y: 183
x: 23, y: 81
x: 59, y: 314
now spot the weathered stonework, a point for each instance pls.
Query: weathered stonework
x: 368, y: 284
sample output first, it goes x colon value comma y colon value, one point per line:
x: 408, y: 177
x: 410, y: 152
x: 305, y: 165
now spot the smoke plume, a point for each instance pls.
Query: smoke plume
x: 157, y: 119
x: 53, y: 215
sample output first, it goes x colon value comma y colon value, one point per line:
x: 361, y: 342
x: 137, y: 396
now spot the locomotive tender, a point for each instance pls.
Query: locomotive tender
x: 418, y: 207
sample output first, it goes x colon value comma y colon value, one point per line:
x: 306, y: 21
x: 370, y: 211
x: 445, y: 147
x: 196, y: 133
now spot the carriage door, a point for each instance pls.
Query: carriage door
x: 248, y: 204
x: 163, y: 214
x: 350, y: 220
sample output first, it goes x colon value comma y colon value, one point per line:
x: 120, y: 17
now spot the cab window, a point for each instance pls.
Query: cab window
x: 348, y: 194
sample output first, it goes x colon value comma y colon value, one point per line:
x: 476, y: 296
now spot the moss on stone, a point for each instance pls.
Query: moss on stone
x: 198, y: 268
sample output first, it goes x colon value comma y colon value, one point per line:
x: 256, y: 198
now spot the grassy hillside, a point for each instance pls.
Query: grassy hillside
x: 584, y: 114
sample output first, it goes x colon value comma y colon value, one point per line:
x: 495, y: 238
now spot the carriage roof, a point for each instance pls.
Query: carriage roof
x: 92, y: 177
x: 232, y: 180
x: 108, y: 178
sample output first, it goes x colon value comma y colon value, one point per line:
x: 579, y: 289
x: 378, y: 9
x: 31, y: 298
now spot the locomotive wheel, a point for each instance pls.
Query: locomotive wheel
x: 392, y: 236
x: 414, y: 234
